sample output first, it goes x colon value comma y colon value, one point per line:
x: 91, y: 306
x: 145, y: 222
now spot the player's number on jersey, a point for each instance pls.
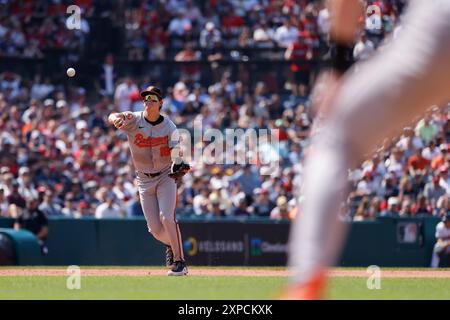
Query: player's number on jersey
x: 73, y: 22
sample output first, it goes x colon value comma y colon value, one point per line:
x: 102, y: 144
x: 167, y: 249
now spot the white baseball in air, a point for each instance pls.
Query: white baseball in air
x: 71, y: 72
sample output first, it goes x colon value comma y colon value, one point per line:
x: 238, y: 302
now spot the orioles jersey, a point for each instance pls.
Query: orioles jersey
x: 150, y: 144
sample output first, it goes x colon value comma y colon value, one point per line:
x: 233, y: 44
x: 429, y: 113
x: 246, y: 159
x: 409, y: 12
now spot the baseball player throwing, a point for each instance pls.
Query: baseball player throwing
x: 411, y: 74
x: 157, y: 174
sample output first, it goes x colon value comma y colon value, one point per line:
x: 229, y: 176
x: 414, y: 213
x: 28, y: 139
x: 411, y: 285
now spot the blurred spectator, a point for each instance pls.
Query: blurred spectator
x: 440, y: 159
x: 286, y: 34
x: 49, y: 205
x: 242, y: 208
x: 362, y: 212
x: 442, y: 206
x: 299, y: 52
x: 281, y: 211
x: 323, y: 21
x: 215, y: 208
x: 395, y: 162
x: 4, y: 205
x: 134, y: 208
x: 26, y: 187
x: 363, y: 49
x: 248, y: 180
x: 120, y: 192
x: 406, y: 189
x: 122, y: 94
x: 35, y: 221
x: 392, y: 208
x: 444, y: 180
x: 426, y: 129
x: 409, y: 142
x: 69, y: 208
x: 108, y: 209
x: 83, y: 210
x: 417, y: 163
x: 136, y: 44
x: 180, y: 24
x: 389, y: 187
x: 209, y: 36
x: 433, y: 191
x: 108, y: 76
x: 15, y: 197
x: 193, y: 13
x: 10, y: 83
x: 262, y: 206
x: 200, y: 202
x: 190, y: 72
x: 374, y: 209
x: 406, y: 210
x: 422, y: 208
x: 366, y: 186
x: 418, y: 183
x: 431, y: 151
x: 263, y: 37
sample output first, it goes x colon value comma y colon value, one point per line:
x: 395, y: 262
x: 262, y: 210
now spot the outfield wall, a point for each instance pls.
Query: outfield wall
x: 247, y: 242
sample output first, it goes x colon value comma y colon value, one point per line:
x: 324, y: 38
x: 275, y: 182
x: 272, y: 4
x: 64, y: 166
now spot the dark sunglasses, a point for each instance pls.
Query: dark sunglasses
x: 151, y: 98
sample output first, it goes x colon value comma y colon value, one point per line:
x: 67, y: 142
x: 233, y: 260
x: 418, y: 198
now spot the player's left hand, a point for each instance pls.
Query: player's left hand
x: 178, y: 170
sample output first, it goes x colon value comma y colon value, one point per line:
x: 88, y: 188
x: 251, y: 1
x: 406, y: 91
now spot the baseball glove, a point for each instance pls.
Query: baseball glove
x: 178, y: 170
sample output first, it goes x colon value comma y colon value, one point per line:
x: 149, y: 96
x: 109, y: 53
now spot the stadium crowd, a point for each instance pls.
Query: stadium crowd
x: 56, y: 146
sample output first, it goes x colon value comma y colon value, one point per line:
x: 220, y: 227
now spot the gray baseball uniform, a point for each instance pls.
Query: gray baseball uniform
x: 150, y: 146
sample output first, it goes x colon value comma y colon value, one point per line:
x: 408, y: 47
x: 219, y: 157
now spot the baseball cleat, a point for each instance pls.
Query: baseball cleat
x: 169, y: 256
x: 312, y: 290
x: 179, y: 269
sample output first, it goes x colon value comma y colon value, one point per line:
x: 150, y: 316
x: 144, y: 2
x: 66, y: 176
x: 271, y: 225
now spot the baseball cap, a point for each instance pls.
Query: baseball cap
x: 49, y: 102
x: 257, y: 191
x: 214, y: 198
x: 443, y: 168
x: 5, y: 169
x: 24, y: 170
x: 446, y: 216
x: 265, y: 170
x: 209, y: 26
x: 83, y: 205
x: 151, y: 91
x: 81, y: 124
x: 392, y: 201
x: 61, y: 104
x: 91, y: 184
x: 215, y: 170
x: 281, y: 201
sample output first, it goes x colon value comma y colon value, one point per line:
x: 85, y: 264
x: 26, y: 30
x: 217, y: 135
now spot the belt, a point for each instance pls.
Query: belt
x: 152, y: 175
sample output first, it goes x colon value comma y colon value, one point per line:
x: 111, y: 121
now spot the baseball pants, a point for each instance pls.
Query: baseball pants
x: 387, y: 92
x: 438, y: 251
x: 158, y: 199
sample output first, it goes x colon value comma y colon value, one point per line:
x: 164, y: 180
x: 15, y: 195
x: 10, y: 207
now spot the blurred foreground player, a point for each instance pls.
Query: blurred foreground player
x: 388, y: 91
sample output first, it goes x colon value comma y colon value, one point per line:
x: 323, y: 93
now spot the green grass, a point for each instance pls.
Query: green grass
x: 155, y: 287
x: 349, y: 288
x: 203, y: 287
